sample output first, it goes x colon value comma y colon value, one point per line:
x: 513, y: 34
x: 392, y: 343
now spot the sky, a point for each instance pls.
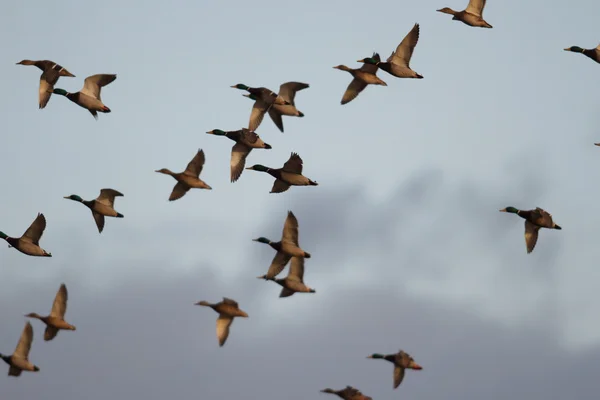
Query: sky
x: 408, y: 248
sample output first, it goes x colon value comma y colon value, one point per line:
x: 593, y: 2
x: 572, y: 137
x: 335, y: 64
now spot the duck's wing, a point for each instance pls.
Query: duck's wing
x: 371, y: 68
x: 279, y: 262
x: 24, y: 345
x: 99, y: 218
x: 296, y: 269
x: 223, y: 324
x: 290, y: 229
x: 14, y: 371
x: 231, y: 302
x: 293, y: 164
x: 531, y: 235
x: 280, y: 186
x: 404, y: 51
x: 107, y: 197
x: 45, y: 92
x: 35, y: 231
x: 194, y: 167
x: 276, y: 118
x: 354, y: 89
x: 59, y: 308
x: 398, y: 375
x: 239, y: 152
x: 285, y: 292
x: 50, y: 333
x: 258, y: 114
x: 93, y: 84
x: 179, y: 190
x: 475, y: 7
x: 288, y: 90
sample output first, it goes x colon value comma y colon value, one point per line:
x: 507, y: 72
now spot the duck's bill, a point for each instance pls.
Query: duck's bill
x: 248, y: 168
x: 503, y: 210
x: 417, y: 367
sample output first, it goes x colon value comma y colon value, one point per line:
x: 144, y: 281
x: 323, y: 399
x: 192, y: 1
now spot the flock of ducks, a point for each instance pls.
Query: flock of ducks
x: 287, y: 249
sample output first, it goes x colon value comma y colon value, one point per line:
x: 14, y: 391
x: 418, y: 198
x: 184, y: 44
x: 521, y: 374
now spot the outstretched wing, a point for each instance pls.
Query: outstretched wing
x: 239, y: 152
x: 276, y: 118
x: 296, y: 269
x: 223, y: 324
x: 279, y: 186
x: 59, y: 308
x: 35, y: 230
x: 278, y: 264
x: 398, y: 376
x: 354, y: 89
x: 93, y: 84
x: 404, y: 51
x: 293, y: 164
x: 179, y: 190
x: 290, y: 229
x: 107, y: 197
x: 288, y: 90
x: 475, y: 7
x: 258, y: 113
x: 24, y: 345
x: 531, y: 235
x: 194, y: 167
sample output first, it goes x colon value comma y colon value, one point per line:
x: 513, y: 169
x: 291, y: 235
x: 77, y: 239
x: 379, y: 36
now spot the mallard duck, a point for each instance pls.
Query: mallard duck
x: 594, y: 54
x: 365, y: 75
x: 228, y: 309
x: 102, y: 206
x: 245, y: 140
x: 286, y: 248
x: 89, y: 96
x: 29, y: 243
x: 288, y: 92
x: 472, y: 15
x: 398, y: 62
x: 401, y: 361
x: 534, y: 220
x: 188, y: 179
x: 294, y: 281
x: 289, y: 175
x: 349, y: 393
x: 19, y: 360
x: 266, y: 95
x: 51, y: 72
x: 56, y: 320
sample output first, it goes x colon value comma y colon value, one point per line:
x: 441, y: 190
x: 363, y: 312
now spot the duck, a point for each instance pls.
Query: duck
x: 294, y: 281
x: 228, y: 309
x: 594, y: 54
x: 348, y: 393
x: 289, y: 175
x: 19, y: 360
x: 89, y: 96
x: 51, y: 71
x: 286, y: 248
x: 288, y: 92
x: 102, y: 206
x: 398, y: 62
x: 363, y: 76
x: 56, y: 320
x: 29, y: 243
x: 245, y: 140
x: 472, y: 15
x: 188, y: 179
x: 534, y: 220
x: 401, y: 361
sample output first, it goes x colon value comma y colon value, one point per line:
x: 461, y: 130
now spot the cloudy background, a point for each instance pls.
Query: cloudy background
x: 409, y: 249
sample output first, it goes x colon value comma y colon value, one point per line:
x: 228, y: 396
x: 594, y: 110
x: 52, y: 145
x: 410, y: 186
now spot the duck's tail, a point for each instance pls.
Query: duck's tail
x: 312, y: 183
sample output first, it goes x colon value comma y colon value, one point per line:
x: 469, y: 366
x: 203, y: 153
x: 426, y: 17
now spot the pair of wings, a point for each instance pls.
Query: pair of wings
x: 107, y: 198
x: 532, y: 230
x: 51, y: 73
x: 59, y: 308
x: 193, y: 169
x: 294, y: 166
x: 287, y: 91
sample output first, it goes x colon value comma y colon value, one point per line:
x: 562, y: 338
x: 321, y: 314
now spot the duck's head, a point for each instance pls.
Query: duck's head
x: 448, y: 10
x: 510, y: 210
x: 33, y: 315
x: 376, y: 355
x: 369, y: 60
x: 61, y: 92
x: 164, y: 171
x: 262, y: 240
x: 258, y: 167
x: 575, y: 49
x: 250, y: 96
x: 217, y: 132
x: 240, y: 86
x: 26, y: 62
x: 3, y: 235
x: 74, y: 197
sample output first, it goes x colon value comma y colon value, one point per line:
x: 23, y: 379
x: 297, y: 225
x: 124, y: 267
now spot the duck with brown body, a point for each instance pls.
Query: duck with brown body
x: 594, y: 54
x: 534, y: 220
x: 289, y: 175
x: 56, y: 320
x: 245, y: 140
x: 402, y: 361
x: 363, y: 76
x: 19, y: 359
x: 472, y: 15
x: 89, y: 96
x: 294, y: 281
x: 228, y: 309
x: 188, y: 179
x: 51, y: 71
x: 348, y: 393
x: 398, y: 63
x: 102, y: 206
x: 29, y: 243
x: 268, y: 96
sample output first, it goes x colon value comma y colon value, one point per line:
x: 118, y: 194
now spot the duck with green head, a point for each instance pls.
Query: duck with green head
x: 102, y: 206
x: 472, y: 15
x: 286, y: 248
x: 363, y: 76
x: 288, y: 92
x: 594, y: 54
x: 534, y: 220
x: 398, y: 63
x: 289, y: 175
x: 89, y: 96
x: 402, y: 361
x: 29, y: 243
x: 245, y: 140
x: 265, y: 95
x: 51, y: 71
x: 19, y: 359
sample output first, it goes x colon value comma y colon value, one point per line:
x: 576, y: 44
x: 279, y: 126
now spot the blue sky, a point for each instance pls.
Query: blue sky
x: 409, y: 249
